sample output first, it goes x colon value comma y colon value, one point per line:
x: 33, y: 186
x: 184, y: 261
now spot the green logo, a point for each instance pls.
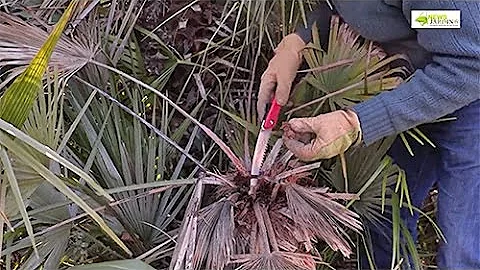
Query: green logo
x: 422, y: 19
x: 435, y: 18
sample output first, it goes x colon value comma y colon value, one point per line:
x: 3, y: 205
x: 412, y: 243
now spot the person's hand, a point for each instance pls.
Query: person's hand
x: 334, y: 133
x: 280, y: 73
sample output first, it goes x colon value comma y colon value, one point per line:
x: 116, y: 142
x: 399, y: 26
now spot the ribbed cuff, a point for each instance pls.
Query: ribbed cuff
x: 374, y: 120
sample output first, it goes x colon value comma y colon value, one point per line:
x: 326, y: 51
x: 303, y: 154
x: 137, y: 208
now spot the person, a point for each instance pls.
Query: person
x: 445, y: 83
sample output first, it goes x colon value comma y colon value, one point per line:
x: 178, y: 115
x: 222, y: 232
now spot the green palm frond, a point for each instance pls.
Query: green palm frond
x: 369, y: 172
x: 367, y: 74
x: 381, y: 186
x: 18, y: 99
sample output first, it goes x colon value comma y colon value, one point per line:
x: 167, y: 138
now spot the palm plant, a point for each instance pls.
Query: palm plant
x: 272, y: 229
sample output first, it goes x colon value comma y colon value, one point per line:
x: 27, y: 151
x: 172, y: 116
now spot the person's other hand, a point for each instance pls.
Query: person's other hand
x: 334, y: 133
x: 280, y: 73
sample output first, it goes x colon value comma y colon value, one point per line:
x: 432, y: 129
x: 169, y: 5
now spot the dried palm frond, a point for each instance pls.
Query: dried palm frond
x: 320, y: 216
x: 215, y: 235
x: 275, y: 228
x: 279, y: 261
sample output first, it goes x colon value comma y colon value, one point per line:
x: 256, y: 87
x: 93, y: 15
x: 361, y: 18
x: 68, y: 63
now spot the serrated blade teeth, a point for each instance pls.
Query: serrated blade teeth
x: 260, y: 150
x: 257, y: 163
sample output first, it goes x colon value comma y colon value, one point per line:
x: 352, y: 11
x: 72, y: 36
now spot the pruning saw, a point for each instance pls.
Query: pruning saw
x: 269, y: 122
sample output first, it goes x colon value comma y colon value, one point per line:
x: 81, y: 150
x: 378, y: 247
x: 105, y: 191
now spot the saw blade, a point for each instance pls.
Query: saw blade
x: 260, y: 149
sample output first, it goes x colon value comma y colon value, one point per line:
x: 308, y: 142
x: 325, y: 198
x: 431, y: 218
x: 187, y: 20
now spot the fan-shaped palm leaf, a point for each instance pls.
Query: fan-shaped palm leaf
x: 367, y: 74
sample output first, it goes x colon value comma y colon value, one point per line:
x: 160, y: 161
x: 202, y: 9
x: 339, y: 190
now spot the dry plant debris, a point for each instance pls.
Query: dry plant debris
x: 275, y: 228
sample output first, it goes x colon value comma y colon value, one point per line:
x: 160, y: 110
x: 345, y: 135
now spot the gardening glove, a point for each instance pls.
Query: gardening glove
x: 280, y: 73
x: 335, y: 132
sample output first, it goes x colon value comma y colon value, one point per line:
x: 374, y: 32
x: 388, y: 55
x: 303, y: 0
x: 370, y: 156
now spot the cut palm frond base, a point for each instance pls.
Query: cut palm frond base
x: 274, y: 228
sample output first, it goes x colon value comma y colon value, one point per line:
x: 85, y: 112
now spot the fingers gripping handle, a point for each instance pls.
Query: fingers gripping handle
x: 272, y: 115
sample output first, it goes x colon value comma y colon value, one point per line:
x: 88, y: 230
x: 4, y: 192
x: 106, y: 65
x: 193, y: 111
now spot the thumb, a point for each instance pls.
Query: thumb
x: 304, y: 152
x: 283, y: 90
x: 293, y: 145
x: 301, y: 125
x: 265, y: 93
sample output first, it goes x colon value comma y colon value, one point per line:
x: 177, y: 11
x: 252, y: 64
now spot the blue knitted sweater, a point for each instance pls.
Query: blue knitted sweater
x: 447, y: 61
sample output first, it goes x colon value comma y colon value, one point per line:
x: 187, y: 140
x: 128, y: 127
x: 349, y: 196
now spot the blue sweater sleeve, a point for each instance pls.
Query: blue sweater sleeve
x: 448, y: 83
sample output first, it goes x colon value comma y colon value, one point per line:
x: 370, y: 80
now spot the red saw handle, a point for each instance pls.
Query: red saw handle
x: 272, y: 116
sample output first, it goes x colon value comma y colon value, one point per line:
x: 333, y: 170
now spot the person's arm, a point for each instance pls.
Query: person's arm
x: 450, y: 82
x: 282, y: 69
